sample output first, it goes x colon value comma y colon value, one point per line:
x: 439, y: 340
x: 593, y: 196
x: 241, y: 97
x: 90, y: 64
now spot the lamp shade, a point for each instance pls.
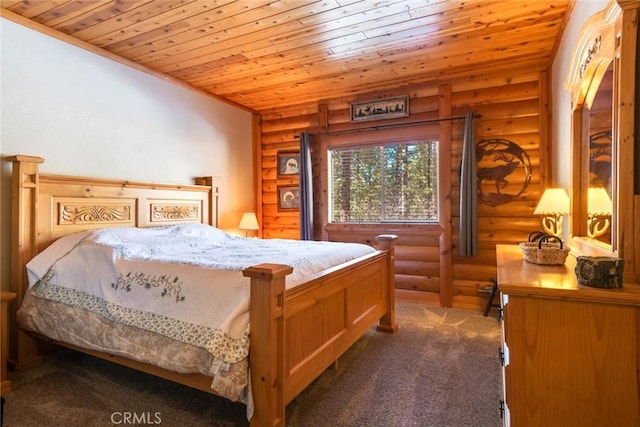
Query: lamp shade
x: 553, y: 201
x: 599, y: 202
x: 249, y: 221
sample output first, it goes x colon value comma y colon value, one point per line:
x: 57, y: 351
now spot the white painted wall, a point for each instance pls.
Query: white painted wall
x: 88, y: 115
x: 561, y: 98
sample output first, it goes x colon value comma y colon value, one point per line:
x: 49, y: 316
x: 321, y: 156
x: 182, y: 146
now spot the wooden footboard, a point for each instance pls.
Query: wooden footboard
x: 295, y: 334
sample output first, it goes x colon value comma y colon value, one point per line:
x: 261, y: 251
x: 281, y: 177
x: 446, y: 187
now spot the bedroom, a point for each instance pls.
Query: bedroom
x: 107, y: 102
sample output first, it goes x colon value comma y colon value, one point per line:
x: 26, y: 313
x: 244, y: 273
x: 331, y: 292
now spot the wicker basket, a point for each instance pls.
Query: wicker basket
x: 545, y: 252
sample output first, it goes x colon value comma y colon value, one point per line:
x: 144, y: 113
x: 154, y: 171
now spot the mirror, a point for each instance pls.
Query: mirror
x: 597, y: 119
x: 592, y: 81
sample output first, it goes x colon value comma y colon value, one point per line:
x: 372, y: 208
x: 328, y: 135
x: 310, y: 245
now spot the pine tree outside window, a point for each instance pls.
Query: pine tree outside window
x: 384, y: 183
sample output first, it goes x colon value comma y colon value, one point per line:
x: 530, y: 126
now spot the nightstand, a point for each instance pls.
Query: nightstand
x: 5, y: 298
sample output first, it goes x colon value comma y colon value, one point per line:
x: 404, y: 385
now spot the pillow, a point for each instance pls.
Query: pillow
x: 199, y: 230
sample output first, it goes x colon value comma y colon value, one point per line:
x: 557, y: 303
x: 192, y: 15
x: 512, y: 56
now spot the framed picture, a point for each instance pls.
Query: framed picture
x: 288, y: 163
x: 386, y: 108
x: 288, y: 198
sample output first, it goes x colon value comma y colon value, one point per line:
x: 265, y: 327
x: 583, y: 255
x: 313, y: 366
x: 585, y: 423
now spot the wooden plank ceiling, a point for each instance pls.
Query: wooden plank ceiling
x: 263, y: 54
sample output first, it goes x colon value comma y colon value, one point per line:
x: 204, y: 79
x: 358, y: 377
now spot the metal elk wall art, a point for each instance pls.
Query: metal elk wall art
x: 503, y: 170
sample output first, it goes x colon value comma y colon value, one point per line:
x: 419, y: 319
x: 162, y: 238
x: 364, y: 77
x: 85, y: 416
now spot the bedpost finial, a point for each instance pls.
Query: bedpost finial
x: 25, y: 159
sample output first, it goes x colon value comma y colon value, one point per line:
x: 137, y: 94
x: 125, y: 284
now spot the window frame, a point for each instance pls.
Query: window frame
x: 383, y: 171
x: 367, y: 139
x: 323, y: 141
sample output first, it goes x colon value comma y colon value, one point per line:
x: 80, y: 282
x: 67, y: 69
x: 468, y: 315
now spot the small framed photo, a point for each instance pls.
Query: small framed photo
x: 387, y: 108
x: 288, y: 198
x: 288, y: 163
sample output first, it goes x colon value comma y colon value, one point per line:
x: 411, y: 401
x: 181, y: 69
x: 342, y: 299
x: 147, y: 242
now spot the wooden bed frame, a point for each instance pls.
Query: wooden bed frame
x: 295, y: 334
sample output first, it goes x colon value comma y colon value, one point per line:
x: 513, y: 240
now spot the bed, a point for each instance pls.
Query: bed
x: 296, y: 331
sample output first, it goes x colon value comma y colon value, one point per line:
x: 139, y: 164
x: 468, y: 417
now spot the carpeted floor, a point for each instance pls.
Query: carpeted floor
x: 439, y: 369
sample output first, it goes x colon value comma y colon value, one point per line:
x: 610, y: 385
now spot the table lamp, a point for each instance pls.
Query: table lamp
x: 249, y: 222
x: 552, y: 206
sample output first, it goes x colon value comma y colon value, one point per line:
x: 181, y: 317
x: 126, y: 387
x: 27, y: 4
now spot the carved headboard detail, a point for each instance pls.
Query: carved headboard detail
x: 72, y: 212
x: 69, y: 204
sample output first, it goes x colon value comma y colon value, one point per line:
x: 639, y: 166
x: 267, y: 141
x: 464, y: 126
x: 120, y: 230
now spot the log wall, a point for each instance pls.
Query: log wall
x: 428, y: 265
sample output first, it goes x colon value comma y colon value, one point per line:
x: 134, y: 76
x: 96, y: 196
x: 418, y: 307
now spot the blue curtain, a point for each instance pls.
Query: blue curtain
x: 306, y: 188
x: 468, y: 192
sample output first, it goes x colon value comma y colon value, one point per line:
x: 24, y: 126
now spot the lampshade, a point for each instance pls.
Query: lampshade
x: 249, y: 221
x: 554, y: 201
x: 552, y: 206
x: 599, y: 202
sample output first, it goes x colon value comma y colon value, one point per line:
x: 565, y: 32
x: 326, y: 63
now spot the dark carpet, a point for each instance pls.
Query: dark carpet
x: 440, y: 369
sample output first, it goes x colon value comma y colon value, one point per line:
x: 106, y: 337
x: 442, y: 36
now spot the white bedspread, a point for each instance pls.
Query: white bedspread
x: 183, y: 282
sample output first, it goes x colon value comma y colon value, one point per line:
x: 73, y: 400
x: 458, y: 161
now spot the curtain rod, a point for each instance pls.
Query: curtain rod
x: 335, y: 132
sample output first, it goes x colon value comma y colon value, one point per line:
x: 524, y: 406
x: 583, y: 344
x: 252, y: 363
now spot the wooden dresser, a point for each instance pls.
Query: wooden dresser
x: 570, y: 354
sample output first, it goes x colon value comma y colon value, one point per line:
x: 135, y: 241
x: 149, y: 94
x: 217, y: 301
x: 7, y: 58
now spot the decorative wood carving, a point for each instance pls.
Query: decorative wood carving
x: 592, y: 50
x: 92, y: 213
x: 596, y: 45
x: 161, y: 212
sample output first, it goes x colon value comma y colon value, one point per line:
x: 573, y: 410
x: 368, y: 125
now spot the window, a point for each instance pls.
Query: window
x: 384, y: 183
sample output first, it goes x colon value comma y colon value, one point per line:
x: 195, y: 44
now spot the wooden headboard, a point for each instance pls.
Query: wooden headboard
x: 46, y: 207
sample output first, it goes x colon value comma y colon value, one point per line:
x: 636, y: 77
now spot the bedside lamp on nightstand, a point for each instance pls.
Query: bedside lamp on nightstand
x: 249, y: 222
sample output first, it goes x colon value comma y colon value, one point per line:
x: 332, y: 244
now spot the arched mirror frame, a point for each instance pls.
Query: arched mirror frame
x: 595, y: 53
x: 608, y: 37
